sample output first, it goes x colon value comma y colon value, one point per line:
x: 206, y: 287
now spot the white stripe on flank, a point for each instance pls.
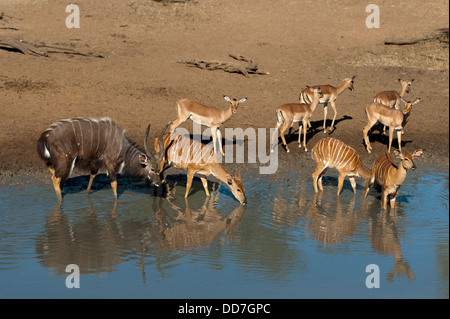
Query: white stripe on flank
x: 64, y: 140
x: 98, y: 136
x: 336, y: 155
x: 81, y: 138
x: 92, y: 133
x: 349, y: 160
x: 73, y: 165
x: 197, y: 153
x: 122, y: 165
x: 46, y: 152
x: 343, y: 154
x: 74, y: 133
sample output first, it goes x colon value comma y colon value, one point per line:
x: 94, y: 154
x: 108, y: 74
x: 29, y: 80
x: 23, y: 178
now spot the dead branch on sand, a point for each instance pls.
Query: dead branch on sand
x: 41, y: 49
x: 245, y: 70
x: 441, y: 36
x: 6, y: 18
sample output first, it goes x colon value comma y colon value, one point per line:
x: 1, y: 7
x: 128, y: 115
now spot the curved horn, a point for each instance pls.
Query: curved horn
x: 147, y: 152
x: 145, y: 140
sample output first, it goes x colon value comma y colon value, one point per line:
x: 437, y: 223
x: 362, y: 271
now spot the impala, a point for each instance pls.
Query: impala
x: 330, y: 93
x: 389, y: 175
x: 287, y: 114
x: 332, y: 153
x: 393, y: 98
x: 195, y: 157
x: 90, y: 144
x: 212, y: 117
x: 394, y: 119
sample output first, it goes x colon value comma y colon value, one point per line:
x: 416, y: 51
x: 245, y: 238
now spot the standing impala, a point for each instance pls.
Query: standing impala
x: 212, y: 117
x: 394, y: 119
x: 330, y: 152
x: 196, y: 157
x: 393, y: 98
x: 330, y: 93
x: 287, y: 114
x: 390, y: 176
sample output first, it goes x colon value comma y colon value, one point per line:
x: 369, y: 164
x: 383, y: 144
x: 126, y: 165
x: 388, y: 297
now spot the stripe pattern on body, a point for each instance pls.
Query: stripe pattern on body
x: 331, y: 152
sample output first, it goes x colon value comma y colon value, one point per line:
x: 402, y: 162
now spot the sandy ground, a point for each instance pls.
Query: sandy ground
x: 140, y: 78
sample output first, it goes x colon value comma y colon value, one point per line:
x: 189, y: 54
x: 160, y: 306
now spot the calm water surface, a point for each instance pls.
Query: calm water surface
x: 287, y: 243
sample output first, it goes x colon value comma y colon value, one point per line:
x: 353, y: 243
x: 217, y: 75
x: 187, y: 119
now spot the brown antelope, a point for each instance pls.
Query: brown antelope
x: 195, y: 157
x: 212, y: 117
x: 90, y: 144
x: 394, y: 119
x: 330, y: 93
x: 393, y: 98
x: 287, y: 114
x: 330, y: 152
x: 390, y: 176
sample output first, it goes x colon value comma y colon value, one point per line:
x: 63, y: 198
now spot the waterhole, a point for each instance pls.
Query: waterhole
x: 288, y: 242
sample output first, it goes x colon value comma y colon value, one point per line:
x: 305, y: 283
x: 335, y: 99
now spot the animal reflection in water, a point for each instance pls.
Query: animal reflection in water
x: 198, y: 228
x: 331, y: 222
x: 97, y: 242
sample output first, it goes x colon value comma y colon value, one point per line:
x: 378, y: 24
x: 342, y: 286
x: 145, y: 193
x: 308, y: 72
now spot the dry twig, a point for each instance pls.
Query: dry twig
x: 442, y: 36
x: 245, y: 70
x: 40, y: 49
x: 6, y: 18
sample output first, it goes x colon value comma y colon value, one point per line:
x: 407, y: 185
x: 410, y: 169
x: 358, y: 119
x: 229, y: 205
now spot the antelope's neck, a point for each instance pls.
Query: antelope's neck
x: 226, y: 114
x: 399, y: 175
x: 341, y: 88
x: 314, y: 103
x: 405, y: 119
x: 219, y: 172
x: 402, y: 90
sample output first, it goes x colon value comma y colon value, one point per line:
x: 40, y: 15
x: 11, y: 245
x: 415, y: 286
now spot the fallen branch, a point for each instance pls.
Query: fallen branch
x: 21, y: 45
x: 40, y: 49
x: 245, y: 70
x: 442, y: 36
x: 5, y: 18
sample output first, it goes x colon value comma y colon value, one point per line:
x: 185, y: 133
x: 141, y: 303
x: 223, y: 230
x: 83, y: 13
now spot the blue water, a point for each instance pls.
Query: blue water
x: 287, y: 243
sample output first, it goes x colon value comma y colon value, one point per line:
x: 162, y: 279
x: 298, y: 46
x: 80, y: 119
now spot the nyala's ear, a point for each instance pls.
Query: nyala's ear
x: 398, y: 154
x: 237, y: 176
x: 417, y: 153
x: 143, y: 159
x: 227, y: 98
x: 229, y: 179
x: 416, y: 101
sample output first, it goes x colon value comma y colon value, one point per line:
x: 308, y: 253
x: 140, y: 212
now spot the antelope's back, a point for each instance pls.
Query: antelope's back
x: 335, y: 153
x: 182, y: 150
x: 84, y: 138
